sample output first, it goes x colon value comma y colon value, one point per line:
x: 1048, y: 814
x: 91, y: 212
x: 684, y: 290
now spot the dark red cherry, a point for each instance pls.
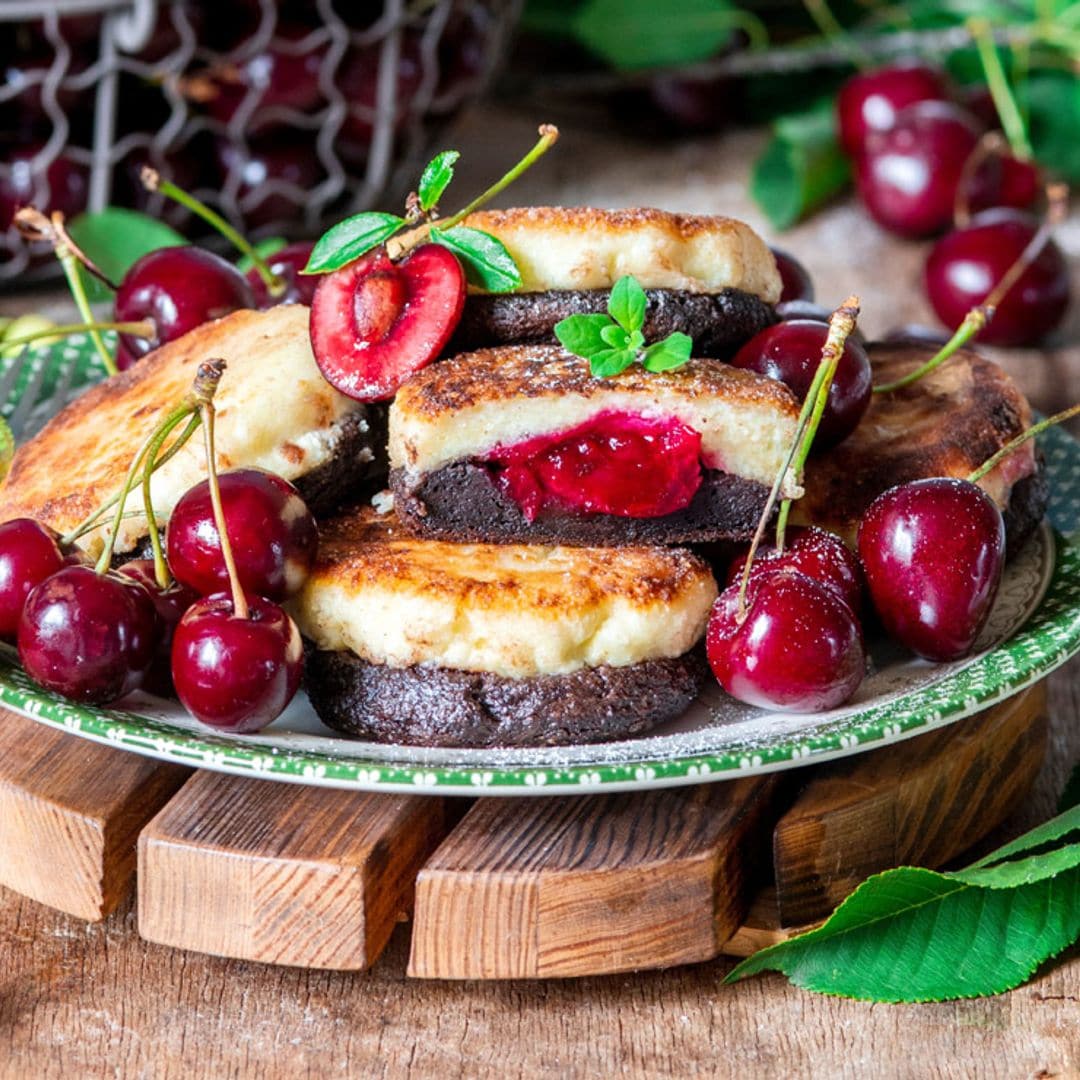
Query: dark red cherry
x: 376, y: 322
x: 932, y: 551
x: 812, y: 551
x: 799, y: 649
x: 236, y: 674
x: 358, y: 81
x: 791, y: 352
x: 63, y: 185
x: 795, y: 283
x: 88, y: 636
x: 273, y: 535
x: 170, y: 604
x: 274, y: 175
x: 29, y: 553
x: 871, y: 100
x: 907, y: 176
x: 1012, y: 182
x: 178, y: 288
x: 286, y: 263
x: 965, y: 265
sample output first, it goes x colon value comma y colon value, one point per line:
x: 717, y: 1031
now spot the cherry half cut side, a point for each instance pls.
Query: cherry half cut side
x: 376, y: 322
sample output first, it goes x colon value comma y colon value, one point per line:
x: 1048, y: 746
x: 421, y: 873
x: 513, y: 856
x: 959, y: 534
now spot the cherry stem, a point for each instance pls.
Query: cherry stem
x: 789, y: 474
x: 997, y: 458
x: 153, y: 181
x: 240, y: 604
x: 831, y: 30
x: 144, y: 328
x: 398, y: 245
x: 991, y: 144
x: 973, y: 322
x: 34, y: 225
x: 1000, y: 91
x: 161, y: 569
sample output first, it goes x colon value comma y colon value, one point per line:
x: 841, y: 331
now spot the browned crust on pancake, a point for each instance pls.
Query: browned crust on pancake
x: 590, y: 218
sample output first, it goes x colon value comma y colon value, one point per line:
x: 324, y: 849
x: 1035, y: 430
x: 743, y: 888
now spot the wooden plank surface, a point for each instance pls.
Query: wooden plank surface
x: 70, y: 813
x: 550, y: 887
x: 282, y: 873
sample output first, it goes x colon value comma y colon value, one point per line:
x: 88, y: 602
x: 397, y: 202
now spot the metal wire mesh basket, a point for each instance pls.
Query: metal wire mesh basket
x: 282, y: 115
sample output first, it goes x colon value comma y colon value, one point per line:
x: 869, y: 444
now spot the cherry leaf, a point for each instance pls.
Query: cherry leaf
x: 626, y: 305
x: 484, y: 257
x: 437, y: 174
x: 349, y: 239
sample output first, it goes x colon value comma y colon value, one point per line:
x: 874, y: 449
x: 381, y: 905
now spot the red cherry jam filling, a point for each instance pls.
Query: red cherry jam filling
x: 616, y: 463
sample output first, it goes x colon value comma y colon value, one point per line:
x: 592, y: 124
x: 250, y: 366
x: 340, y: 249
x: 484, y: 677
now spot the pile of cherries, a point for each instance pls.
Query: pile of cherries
x: 95, y: 634
x: 918, y: 154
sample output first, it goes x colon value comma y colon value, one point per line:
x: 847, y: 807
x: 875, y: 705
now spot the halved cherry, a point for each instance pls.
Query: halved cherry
x: 375, y: 322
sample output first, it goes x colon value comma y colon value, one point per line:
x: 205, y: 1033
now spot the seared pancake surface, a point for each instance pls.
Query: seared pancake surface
x: 514, y: 611
x: 274, y: 411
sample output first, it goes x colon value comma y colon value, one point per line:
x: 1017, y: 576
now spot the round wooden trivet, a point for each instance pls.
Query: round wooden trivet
x: 499, y: 888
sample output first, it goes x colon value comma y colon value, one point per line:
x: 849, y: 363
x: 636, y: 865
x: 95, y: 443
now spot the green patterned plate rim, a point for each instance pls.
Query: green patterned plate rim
x: 1048, y: 637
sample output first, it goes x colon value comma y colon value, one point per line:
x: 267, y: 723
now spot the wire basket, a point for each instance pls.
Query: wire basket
x: 284, y: 116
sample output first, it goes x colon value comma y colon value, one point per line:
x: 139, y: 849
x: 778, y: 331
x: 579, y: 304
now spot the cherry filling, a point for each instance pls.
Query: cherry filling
x: 616, y: 463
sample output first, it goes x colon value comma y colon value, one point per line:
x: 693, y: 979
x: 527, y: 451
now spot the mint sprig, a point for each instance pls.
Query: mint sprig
x: 612, y: 342
x: 918, y: 935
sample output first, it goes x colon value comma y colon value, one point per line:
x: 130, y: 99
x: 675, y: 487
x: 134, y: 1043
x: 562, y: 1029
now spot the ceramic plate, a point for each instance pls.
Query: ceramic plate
x: 1035, y: 627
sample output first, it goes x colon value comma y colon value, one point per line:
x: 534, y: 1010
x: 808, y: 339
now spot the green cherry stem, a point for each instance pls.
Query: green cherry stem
x: 161, y: 569
x: 144, y: 328
x: 1000, y: 91
x: 153, y: 181
x: 997, y: 458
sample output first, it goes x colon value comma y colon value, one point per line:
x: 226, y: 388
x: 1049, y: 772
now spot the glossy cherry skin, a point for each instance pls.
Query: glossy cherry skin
x: 267, y: 168
x: 871, y: 100
x: 799, y: 649
x: 795, y: 283
x: 1010, y: 182
x: 358, y: 81
x: 88, y: 636
x: 170, y: 604
x: 286, y: 263
x: 236, y: 674
x: 965, y: 265
x: 933, y: 551
x: 811, y: 551
x: 791, y: 352
x: 29, y: 553
x: 376, y: 322
x: 178, y: 288
x: 273, y: 535
x: 64, y: 186
x: 907, y: 176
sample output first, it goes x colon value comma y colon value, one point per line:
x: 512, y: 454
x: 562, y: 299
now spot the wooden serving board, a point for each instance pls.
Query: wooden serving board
x: 496, y: 888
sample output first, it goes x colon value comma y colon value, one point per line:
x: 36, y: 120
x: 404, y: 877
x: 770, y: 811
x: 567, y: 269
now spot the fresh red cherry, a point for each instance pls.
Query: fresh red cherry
x: 791, y: 352
x: 170, y: 604
x: 933, y: 551
x: 1013, y: 182
x: 795, y: 283
x: 236, y: 674
x: 29, y: 553
x: 178, y: 288
x: 812, y: 551
x: 274, y: 176
x: 273, y: 535
x: 965, y: 265
x: 799, y: 649
x: 88, y: 636
x: 286, y: 263
x: 871, y: 100
x: 376, y: 322
x: 62, y: 185
x: 358, y: 81
x: 907, y: 176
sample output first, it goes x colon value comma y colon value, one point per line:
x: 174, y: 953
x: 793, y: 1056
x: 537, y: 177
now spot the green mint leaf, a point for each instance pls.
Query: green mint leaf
x: 615, y: 336
x: 264, y: 249
x: 626, y: 305
x: 349, y: 239
x: 801, y: 167
x: 114, y: 238
x: 643, y: 33
x: 582, y: 335
x: 487, y: 263
x: 1070, y: 797
x: 672, y: 352
x: 611, y: 362
x: 438, y: 172
x: 636, y: 340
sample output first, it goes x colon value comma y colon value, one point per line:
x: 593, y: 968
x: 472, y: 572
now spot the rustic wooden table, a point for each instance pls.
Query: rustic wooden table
x: 88, y: 1000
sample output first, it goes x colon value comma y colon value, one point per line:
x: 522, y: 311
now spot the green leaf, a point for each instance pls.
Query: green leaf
x: 1057, y: 827
x: 801, y: 167
x: 7, y: 447
x: 264, y: 249
x: 438, y: 172
x: 1070, y: 797
x: 615, y: 337
x: 1052, y: 102
x: 487, y: 263
x: 115, y: 238
x: 626, y: 305
x: 1007, y: 875
x: 611, y: 362
x: 349, y: 239
x: 672, y: 352
x: 644, y: 33
x: 582, y: 335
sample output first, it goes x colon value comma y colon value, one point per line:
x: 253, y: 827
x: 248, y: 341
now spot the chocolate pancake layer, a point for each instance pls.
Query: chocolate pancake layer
x: 434, y: 706
x: 718, y: 322
x: 1027, y: 505
x: 461, y: 502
